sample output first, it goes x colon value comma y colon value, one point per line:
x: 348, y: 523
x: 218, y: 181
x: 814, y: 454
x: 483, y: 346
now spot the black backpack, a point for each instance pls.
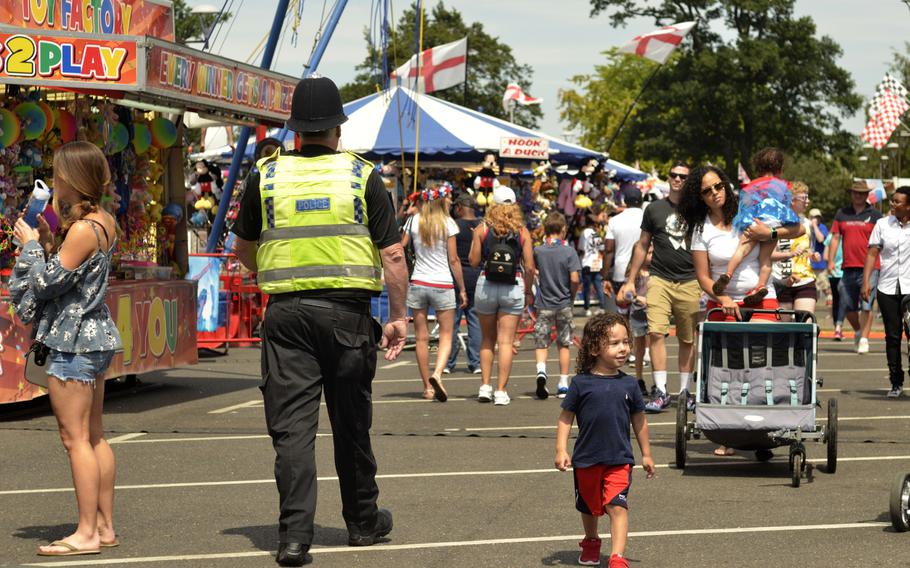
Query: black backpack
x: 502, y: 264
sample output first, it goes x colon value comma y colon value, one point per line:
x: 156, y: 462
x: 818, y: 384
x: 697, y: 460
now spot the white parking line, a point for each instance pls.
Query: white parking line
x: 553, y: 426
x: 125, y: 437
x: 462, y: 543
x: 247, y: 404
x: 433, y: 474
x: 397, y: 364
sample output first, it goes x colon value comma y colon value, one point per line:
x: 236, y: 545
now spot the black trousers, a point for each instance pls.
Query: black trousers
x: 892, y: 318
x: 308, y: 349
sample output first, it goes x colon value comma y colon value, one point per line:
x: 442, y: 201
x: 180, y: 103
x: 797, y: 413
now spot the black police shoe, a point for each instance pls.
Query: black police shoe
x: 293, y: 554
x: 382, y: 527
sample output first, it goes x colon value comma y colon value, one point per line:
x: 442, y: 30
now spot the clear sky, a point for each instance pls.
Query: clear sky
x: 560, y: 43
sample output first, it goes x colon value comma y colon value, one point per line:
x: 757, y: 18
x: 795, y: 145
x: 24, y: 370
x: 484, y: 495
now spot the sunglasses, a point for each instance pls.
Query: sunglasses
x: 719, y: 186
x: 678, y: 175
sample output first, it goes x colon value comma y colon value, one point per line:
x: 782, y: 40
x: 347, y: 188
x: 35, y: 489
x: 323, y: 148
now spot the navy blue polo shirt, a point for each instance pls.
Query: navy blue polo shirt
x: 603, y: 407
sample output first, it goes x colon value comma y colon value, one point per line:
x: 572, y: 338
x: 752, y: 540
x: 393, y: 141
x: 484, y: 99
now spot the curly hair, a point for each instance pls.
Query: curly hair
x: 82, y: 166
x: 692, y: 209
x: 505, y: 218
x: 597, y: 332
x: 768, y: 161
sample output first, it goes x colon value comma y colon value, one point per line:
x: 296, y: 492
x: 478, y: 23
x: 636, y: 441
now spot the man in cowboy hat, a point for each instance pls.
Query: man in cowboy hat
x: 318, y: 227
x: 852, y: 226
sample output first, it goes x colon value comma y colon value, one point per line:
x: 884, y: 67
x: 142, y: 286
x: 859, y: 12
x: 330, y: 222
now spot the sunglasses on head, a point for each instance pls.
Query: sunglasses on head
x: 719, y: 186
x: 678, y: 175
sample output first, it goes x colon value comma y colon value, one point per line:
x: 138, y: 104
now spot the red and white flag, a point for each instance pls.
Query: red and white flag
x: 659, y: 44
x: 440, y: 67
x: 514, y: 93
x: 742, y: 175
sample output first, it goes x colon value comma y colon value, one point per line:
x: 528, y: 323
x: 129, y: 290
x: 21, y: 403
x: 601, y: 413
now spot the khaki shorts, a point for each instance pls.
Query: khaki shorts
x: 681, y: 299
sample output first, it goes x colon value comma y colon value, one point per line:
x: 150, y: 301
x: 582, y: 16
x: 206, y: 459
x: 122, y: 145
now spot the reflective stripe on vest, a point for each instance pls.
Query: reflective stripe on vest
x: 317, y: 235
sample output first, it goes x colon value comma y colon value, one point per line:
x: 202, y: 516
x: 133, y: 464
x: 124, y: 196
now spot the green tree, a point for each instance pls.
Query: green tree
x: 828, y: 180
x: 188, y: 25
x: 770, y: 81
x: 491, y: 64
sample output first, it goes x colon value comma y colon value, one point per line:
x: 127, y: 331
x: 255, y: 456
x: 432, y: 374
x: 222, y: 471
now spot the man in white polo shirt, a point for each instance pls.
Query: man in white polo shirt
x: 891, y: 238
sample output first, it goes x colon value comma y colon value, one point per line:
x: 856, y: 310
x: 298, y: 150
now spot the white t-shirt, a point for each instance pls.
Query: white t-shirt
x: 432, y: 266
x: 720, y: 246
x: 894, y: 242
x: 591, y: 246
x: 625, y: 230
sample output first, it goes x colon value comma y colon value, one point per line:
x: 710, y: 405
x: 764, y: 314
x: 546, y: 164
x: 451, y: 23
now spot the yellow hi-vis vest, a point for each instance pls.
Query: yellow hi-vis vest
x: 314, y: 225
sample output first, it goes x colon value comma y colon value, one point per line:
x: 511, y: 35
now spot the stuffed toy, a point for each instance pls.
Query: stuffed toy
x: 486, y: 181
x: 582, y: 186
x: 205, y: 180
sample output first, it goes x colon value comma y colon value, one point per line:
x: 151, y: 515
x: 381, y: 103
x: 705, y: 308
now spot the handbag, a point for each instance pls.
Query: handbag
x: 36, y: 364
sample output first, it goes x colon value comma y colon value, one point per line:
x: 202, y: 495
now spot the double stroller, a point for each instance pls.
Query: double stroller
x: 756, y: 391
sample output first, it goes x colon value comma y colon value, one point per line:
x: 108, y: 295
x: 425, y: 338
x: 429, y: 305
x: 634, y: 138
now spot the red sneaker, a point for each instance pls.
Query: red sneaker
x: 617, y: 561
x: 590, y: 552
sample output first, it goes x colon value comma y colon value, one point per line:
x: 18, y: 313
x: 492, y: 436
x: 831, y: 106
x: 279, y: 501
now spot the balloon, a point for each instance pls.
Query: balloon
x: 9, y: 128
x: 49, y: 114
x: 33, y: 120
x: 142, y: 137
x: 119, y: 139
x: 164, y: 133
x: 65, y: 122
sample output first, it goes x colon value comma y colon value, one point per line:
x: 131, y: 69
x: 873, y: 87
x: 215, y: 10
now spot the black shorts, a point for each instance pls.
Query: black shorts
x: 789, y: 294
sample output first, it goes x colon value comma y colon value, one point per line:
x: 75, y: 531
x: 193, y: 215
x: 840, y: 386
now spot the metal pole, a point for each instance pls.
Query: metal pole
x: 316, y: 56
x: 240, y: 151
x: 629, y: 110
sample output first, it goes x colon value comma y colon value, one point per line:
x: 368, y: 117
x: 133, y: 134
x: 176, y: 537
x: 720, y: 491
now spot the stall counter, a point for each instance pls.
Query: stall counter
x: 157, y: 323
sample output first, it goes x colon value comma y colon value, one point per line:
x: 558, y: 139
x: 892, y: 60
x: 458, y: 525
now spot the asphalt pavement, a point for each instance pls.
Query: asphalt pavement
x: 470, y: 484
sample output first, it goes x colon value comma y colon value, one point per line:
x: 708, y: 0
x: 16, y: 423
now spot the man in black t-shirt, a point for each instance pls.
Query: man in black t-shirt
x: 672, y: 288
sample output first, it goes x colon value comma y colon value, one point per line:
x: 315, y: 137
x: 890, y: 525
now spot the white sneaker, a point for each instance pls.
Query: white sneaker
x: 587, y: 313
x: 501, y: 398
x: 631, y: 359
x: 863, y: 346
x: 562, y: 388
x: 485, y: 394
x: 647, y: 357
x: 446, y: 371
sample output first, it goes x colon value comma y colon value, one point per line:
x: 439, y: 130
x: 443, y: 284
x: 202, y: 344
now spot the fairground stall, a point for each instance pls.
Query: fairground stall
x: 109, y: 72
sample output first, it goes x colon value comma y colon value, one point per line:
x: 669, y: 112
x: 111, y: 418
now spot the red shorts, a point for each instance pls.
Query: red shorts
x: 601, y: 485
x: 766, y: 304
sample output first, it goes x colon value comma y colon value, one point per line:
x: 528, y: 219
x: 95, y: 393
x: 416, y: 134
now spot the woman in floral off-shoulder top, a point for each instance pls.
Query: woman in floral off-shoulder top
x: 62, y: 293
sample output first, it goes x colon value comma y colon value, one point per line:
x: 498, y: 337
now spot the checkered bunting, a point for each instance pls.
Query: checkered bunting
x: 885, y: 112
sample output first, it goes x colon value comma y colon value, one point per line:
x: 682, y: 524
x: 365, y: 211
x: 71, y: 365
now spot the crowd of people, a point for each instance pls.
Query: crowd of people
x: 705, y: 248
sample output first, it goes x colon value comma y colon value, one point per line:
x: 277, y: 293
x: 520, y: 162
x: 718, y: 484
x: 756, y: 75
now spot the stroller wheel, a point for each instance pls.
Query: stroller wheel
x: 681, y: 437
x: 797, y: 473
x: 831, y: 436
x: 900, y: 503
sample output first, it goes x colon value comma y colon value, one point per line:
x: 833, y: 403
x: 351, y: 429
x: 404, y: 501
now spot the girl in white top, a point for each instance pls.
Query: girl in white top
x: 432, y: 232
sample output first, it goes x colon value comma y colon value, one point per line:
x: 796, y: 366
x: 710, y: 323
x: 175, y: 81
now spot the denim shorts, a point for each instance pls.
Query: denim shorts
x: 422, y: 297
x: 491, y: 298
x: 82, y: 367
x: 850, y: 286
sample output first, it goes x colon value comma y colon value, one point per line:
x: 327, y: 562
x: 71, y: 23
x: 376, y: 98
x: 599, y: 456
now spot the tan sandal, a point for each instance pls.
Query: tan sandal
x: 70, y: 550
x: 441, y: 395
x: 429, y: 394
x: 724, y: 451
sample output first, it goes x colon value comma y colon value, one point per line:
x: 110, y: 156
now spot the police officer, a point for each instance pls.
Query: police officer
x: 319, y: 228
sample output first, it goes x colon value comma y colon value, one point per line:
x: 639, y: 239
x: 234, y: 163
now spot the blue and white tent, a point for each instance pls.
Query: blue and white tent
x: 379, y: 125
x: 448, y: 133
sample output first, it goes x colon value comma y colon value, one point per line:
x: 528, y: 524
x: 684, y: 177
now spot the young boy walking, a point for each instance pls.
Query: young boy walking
x: 605, y: 401
x: 558, y: 271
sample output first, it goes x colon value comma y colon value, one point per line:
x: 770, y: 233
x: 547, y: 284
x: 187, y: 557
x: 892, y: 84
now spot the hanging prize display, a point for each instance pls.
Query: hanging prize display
x: 32, y: 118
x: 164, y: 133
x: 9, y: 128
x: 142, y: 137
x: 65, y: 122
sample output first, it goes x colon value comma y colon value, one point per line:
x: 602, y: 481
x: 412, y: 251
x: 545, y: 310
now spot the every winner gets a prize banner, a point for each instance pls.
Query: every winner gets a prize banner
x: 54, y: 59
